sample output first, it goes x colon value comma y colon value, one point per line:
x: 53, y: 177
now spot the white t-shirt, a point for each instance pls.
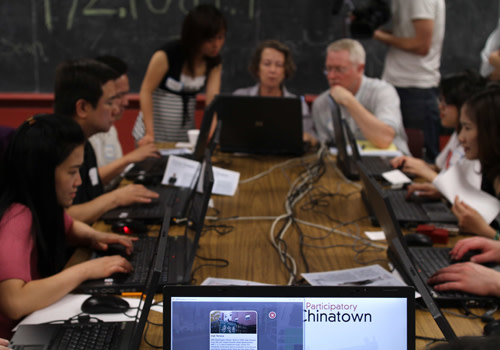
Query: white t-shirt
x: 492, y: 44
x: 106, y: 146
x: 406, y: 69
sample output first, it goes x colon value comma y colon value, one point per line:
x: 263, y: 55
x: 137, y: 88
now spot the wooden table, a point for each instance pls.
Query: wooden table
x: 244, y: 240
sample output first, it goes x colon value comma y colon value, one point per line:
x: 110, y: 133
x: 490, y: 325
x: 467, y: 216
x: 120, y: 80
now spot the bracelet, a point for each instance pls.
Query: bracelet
x: 497, y: 236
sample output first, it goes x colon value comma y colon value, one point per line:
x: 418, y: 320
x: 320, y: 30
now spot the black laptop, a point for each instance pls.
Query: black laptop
x: 150, y: 171
x: 416, y: 264
x: 288, y: 317
x: 260, y: 125
x: 346, y: 162
x: 95, y: 335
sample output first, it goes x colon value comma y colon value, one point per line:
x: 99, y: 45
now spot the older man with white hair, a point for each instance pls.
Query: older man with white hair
x: 370, y: 106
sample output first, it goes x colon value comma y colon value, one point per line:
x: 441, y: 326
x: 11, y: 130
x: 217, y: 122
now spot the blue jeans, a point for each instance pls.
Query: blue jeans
x: 420, y: 110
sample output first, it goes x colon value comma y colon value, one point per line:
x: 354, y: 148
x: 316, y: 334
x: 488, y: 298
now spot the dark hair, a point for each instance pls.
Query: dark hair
x: 290, y: 67
x: 80, y: 79
x: 202, y: 23
x: 116, y: 63
x: 458, y: 87
x: 27, y: 177
x: 483, y: 108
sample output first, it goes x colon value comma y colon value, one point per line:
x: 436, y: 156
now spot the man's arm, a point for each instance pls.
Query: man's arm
x: 112, y: 170
x: 419, y: 44
x: 373, y: 129
x: 91, y: 211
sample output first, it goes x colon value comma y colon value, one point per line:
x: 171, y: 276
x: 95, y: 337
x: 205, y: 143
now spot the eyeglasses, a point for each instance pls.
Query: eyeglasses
x: 338, y: 70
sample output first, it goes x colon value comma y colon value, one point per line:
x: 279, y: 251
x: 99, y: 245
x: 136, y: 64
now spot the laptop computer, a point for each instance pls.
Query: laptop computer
x: 145, y: 248
x: 260, y: 125
x: 347, y: 162
x: 288, y: 317
x: 407, y: 260
x: 112, y: 335
x: 151, y: 170
x: 182, y: 249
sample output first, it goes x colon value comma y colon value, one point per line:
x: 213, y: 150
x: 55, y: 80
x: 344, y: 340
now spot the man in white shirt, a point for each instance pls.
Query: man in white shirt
x: 412, y: 64
x: 370, y: 106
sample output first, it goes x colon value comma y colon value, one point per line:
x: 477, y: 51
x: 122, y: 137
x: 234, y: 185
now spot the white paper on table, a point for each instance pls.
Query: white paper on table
x: 225, y: 181
x: 375, y: 235
x: 212, y: 281
x: 70, y: 305
x: 373, y: 275
x: 396, y: 176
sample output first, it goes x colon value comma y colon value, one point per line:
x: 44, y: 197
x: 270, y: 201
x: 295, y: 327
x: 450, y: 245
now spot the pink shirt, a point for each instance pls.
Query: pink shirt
x: 18, y: 255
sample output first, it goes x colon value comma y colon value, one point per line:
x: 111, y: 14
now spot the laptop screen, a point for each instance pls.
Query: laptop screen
x: 289, y: 317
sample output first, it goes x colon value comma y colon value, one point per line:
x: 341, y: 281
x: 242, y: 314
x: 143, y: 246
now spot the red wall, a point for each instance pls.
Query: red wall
x: 17, y: 107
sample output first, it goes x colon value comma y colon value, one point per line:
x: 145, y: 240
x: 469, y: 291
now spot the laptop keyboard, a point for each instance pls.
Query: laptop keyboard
x: 376, y: 165
x: 95, y: 336
x: 405, y: 210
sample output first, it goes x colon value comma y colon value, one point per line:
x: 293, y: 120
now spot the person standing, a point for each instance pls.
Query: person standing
x: 412, y: 64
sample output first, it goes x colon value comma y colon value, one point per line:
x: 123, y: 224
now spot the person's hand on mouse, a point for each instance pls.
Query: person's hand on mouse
x: 101, y: 240
x: 467, y: 277
x: 469, y: 220
x: 133, y: 193
x: 490, y: 249
x: 426, y: 190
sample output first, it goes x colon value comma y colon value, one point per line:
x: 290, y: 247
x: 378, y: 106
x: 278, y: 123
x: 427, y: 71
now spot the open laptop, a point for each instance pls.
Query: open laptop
x: 145, y: 248
x: 151, y: 170
x: 288, y: 317
x: 260, y: 125
x: 347, y: 162
x: 408, y: 260
x: 113, y: 335
x: 182, y: 249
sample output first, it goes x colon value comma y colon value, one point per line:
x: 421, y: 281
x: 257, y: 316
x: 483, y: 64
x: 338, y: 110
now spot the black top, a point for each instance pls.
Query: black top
x: 91, y: 186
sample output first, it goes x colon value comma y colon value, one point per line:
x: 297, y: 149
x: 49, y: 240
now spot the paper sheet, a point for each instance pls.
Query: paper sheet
x: 454, y: 183
x: 70, y: 306
x: 373, y: 275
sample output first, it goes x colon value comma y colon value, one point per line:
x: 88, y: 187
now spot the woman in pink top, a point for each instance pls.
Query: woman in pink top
x: 39, y: 175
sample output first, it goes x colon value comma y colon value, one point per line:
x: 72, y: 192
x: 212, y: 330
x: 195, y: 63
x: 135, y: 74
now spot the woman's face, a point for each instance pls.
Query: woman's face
x: 212, y: 47
x: 271, y: 68
x: 67, y: 177
x: 468, y: 135
x: 448, y: 114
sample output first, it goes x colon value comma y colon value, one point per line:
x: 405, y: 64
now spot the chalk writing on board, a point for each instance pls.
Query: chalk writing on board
x: 95, y: 8
x: 10, y: 48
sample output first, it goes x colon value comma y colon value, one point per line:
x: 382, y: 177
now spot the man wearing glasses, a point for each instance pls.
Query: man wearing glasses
x: 370, y: 106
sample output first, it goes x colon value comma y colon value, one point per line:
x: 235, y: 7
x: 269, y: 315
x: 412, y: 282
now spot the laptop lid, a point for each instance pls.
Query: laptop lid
x: 183, y: 252
x: 344, y: 160
x: 397, y: 247
x: 292, y: 317
x: 260, y: 125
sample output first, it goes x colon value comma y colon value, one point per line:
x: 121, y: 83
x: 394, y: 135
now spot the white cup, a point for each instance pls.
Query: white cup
x: 193, y: 136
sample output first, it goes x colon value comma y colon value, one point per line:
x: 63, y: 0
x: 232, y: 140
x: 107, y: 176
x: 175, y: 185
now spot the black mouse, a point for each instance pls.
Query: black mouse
x: 492, y: 328
x: 129, y: 226
x: 104, y: 304
x: 417, y: 240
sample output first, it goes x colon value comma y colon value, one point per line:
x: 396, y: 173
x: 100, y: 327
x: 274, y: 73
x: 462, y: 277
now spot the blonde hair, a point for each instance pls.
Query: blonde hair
x: 356, y: 51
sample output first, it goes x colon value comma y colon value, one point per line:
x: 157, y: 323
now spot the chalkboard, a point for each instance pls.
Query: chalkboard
x: 36, y: 35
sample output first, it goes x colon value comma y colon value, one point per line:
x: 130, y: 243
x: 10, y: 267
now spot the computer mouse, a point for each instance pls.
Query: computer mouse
x: 129, y: 226
x: 417, y: 240
x: 104, y: 304
x: 492, y: 328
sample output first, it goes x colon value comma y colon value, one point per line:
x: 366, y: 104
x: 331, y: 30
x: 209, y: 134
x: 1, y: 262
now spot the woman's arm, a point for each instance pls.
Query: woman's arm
x: 157, y: 68
x: 212, y: 89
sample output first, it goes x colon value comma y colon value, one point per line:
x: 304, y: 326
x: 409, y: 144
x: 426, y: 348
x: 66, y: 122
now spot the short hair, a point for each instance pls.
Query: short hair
x: 202, y: 23
x: 27, y: 177
x: 357, y: 54
x: 119, y: 65
x: 456, y: 88
x: 80, y: 79
x: 483, y: 108
x: 290, y: 67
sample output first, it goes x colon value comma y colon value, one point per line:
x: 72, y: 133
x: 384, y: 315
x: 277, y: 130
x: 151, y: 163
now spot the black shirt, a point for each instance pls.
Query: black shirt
x: 91, y: 186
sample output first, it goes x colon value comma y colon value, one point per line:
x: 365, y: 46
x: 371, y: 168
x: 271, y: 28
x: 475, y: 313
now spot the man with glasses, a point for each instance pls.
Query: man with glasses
x: 370, y: 106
